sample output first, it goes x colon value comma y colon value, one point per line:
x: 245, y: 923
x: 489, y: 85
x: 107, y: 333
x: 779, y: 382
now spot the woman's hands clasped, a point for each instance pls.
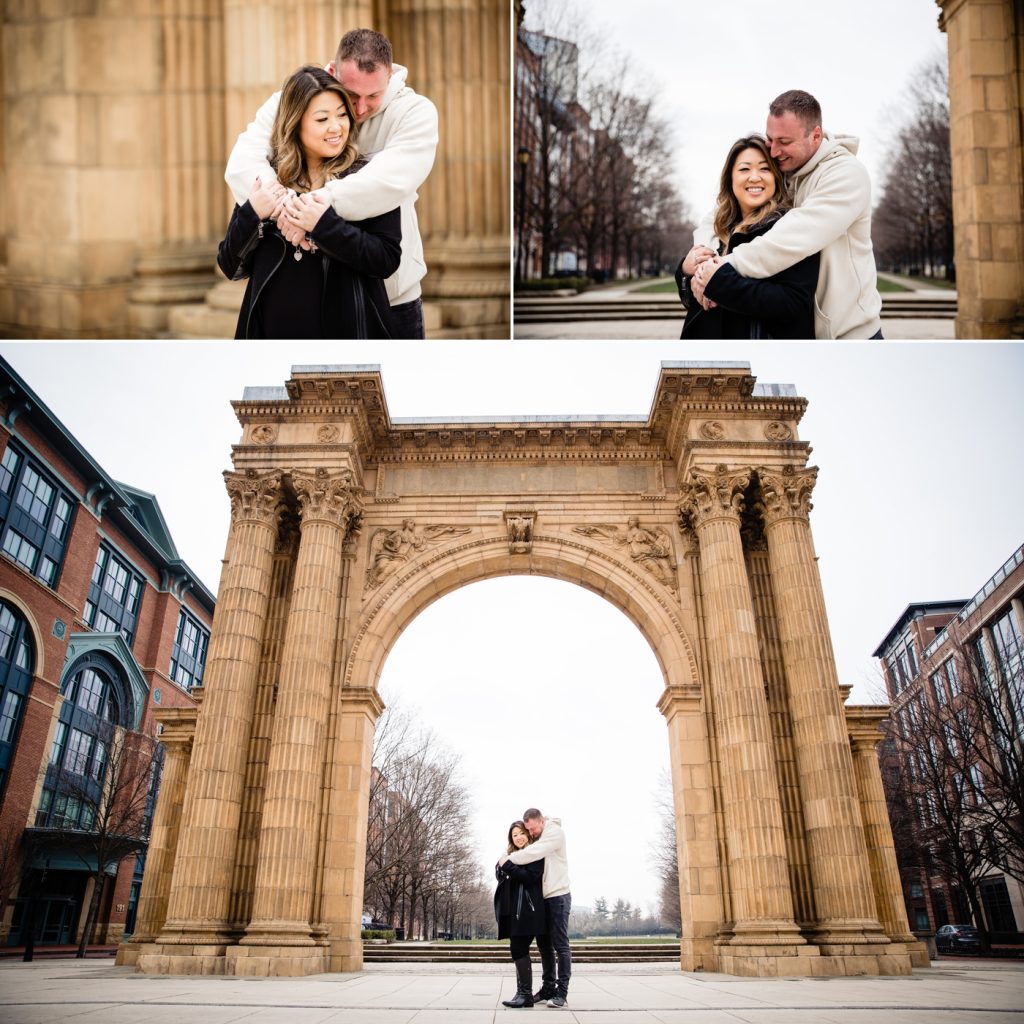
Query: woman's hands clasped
x: 304, y: 211
x: 267, y: 200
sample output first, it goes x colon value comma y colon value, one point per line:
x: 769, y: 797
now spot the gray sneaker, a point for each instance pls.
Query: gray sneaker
x: 556, y: 1001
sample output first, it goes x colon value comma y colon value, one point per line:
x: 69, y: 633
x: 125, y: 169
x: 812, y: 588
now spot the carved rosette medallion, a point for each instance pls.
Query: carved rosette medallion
x: 327, y: 433
x: 786, y: 494
x: 712, y: 430
x: 713, y: 494
x: 519, y: 523
x: 776, y: 431
x: 263, y: 434
x: 390, y: 549
x: 255, y: 497
x: 648, y: 547
x: 327, y: 497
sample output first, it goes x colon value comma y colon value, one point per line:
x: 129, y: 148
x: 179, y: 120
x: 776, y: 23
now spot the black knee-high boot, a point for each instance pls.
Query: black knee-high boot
x: 524, y: 984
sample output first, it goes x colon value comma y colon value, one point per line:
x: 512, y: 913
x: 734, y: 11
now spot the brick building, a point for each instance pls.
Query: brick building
x: 937, y: 659
x: 101, y: 623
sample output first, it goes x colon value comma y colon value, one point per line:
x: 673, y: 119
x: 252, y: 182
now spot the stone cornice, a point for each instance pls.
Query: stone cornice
x: 356, y: 395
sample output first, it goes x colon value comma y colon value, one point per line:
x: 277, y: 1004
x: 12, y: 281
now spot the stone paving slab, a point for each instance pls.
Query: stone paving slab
x: 86, y: 993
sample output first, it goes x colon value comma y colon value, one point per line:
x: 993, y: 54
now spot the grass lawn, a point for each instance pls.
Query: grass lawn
x: 666, y: 284
x: 891, y: 286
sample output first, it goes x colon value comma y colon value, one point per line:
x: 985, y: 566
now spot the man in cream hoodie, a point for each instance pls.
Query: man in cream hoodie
x: 549, y: 844
x: 397, y: 131
x: 831, y: 214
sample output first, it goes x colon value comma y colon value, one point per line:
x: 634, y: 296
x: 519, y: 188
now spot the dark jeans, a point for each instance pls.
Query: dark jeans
x: 407, y: 320
x: 877, y: 337
x: 519, y: 945
x: 555, y: 945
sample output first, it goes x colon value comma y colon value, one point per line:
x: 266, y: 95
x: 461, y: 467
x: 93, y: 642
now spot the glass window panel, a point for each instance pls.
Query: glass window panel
x: 9, y: 715
x: 8, y: 469
x: 61, y: 515
x: 8, y: 629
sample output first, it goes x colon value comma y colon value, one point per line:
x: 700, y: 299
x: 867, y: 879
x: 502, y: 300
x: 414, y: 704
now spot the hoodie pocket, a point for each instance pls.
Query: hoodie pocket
x: 822, y: 324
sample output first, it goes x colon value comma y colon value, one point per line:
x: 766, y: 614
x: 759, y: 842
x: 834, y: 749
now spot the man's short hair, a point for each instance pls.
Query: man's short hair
x: 531, y: 814
x: 370, y: 50
x: 798, y: 102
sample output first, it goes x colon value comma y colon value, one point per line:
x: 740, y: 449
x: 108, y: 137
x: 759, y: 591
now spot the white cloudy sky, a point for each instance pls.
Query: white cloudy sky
x: 547, y: 691
x: 715, y: 67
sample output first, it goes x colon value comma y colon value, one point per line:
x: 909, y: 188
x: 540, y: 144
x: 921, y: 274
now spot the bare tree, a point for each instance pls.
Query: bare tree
x: 665, y: 856
x: 912, y: 228
x: 101, y: 811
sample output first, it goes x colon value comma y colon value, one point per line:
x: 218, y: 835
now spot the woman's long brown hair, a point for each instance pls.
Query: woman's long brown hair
x: 286, y: 153
x: 728, y: 215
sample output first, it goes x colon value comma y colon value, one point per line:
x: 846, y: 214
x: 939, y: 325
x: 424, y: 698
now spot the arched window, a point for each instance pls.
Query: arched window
x: 17, y: 662
x: 96, y: 701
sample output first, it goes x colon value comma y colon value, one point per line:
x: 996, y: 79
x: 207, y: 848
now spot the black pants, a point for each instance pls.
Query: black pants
x: 554, y: 947
x: 407, y: 320
x: 519, y: 945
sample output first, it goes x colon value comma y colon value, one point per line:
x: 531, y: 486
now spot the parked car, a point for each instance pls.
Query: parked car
x: 957, y: 938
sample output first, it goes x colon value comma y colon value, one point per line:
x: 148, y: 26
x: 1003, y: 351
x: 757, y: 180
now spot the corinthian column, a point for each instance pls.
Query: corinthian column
x: 862, y: 724
x: 198, y: 906
x: 283, y: 896
x: 178, y: 730
x: 840, y: 875
x: 755, y: 837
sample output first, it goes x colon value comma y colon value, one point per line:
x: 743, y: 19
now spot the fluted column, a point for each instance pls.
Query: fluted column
x: 344, y: 871
x: 756, y: 842
x: 181, y: 210
x: 840, y: 873
x: 179, y: 726
x: 457, y: 52
x: 862, y: 724
x: 198, y: 906
x: 285, y: 875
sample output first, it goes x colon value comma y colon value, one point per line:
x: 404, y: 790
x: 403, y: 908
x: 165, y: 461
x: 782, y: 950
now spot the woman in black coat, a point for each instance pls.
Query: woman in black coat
x: 335, y: 287
x: 751, y: 199
x: 519, y: 908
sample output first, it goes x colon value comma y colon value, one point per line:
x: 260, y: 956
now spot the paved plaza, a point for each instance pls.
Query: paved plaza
x: 97, y: 992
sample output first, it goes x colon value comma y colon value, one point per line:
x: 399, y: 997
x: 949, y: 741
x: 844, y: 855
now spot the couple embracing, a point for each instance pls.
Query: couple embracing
x: 787, y: 252
x: 533, y: 901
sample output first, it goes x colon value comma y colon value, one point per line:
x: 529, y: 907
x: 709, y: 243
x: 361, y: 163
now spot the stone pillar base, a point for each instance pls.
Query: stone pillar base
x: 172, y: 958
x: 345, y: 956
x: 793, y: 961
x: 167, y: 276
x: 275, y: 961
x: 918, y: 953
x: 128, y: 954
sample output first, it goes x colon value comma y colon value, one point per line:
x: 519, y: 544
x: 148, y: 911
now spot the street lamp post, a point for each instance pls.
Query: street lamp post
x: 523, y: 159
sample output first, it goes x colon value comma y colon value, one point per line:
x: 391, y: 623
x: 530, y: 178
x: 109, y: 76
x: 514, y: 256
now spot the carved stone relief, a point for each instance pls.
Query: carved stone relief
x: 263, y: 433
x: 650, y: 548
x: 519, y: 523
x: 712, y: 430
x: 390, y: 549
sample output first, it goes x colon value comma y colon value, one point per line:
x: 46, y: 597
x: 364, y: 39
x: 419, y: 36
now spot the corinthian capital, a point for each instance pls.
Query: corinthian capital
x: 255, y: 496
x: 713, y: 494
x: 786, y: 493
x: 327, y: 497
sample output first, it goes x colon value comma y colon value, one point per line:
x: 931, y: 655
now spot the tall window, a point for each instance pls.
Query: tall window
x: 1006, y: 640
x: 114, y: 595
x: 35, y: 515
x: 16, y: 665
x: 188, y: 657
x: 94, y: 704
x: 903, y: 663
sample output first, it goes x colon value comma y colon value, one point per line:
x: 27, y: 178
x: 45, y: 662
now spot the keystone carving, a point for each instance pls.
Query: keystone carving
x: 391, y: 549
x: 786, y: 494
x: 650, y: 548
x: 519, y: 524
x: 254, y: 496
x: 322, y: 495
x: 713, y: 494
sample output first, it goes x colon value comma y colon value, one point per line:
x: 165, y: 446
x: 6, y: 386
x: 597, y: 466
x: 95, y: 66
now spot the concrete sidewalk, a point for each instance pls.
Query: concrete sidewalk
x: 91, y: 992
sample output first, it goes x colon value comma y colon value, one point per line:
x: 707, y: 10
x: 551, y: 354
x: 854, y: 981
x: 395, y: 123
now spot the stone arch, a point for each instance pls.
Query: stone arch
x: 641, y: 600
x: 267, y: 866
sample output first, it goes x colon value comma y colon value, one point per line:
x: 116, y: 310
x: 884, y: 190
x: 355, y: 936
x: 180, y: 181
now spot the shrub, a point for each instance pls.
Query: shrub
x: 379, y: 933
